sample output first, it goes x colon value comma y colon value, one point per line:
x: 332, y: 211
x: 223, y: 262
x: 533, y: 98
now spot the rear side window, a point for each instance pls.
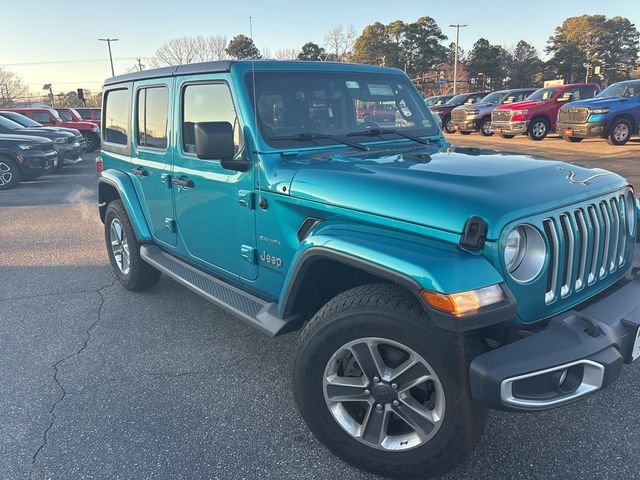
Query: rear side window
x: 116, y: 125
x: 207, y: 103
x: 42, y: 117
x: 85, y: 114
x: 151, y: 120
x: 587, y: 92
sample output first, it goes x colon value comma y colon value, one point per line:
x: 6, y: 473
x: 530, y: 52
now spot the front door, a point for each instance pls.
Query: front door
x: 214, y: 206
x: 151, y: 158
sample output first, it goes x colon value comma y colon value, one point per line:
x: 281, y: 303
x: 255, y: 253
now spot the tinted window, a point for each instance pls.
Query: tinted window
x: 587, y: 92
x: 66, y: 116
x: 207, y: 103
x: 85, y: 114
x: 21, y: 119
x: 42, y: 117
x: 116, y: 125
x: 151, y: 123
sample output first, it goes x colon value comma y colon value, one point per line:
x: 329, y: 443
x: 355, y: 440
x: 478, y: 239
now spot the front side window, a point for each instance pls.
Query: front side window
x: 151, y: 120
x: 207, y: 103
x: 85, y: 114
x: 66, y: 116
x: 294, y: 106
x: 543, y: 94
x: 116, y: 125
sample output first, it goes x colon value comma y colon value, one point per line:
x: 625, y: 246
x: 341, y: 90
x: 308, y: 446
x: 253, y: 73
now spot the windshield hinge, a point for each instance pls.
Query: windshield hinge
x: 474, y: 235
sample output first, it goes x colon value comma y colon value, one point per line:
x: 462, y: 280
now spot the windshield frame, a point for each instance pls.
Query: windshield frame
x: 411, y: 93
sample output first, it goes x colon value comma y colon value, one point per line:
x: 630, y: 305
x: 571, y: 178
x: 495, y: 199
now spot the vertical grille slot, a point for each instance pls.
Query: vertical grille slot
x: 595, y: 223
x: 569, y: 246
x: 583, y: 235
x: 615, y: 229
x: 607, y: 239
x: 622, y: 209
x: 554, y: 243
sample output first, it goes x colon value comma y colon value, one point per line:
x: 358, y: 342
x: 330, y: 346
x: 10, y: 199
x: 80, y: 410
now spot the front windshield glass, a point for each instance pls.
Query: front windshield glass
x: 458, y: 99
x: 296, y: 104
x: 543, y: 94
x: 21, y: 119
x: 494, y: 97
x: 621, y: 90
x: 7, y: 124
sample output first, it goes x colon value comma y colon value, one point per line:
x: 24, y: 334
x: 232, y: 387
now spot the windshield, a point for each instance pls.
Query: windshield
x: 494, y: 97
x: 458, y: 99
x: 621, y: 90
x: 7, y: 124
x: 333, y: 104
x: 20, y: 119
x: 543, y: 94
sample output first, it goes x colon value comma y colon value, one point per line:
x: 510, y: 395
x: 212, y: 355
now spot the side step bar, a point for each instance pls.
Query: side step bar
x: 251, y: 309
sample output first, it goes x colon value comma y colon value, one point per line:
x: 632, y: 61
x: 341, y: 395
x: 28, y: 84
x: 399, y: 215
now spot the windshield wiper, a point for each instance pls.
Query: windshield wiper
x: 305, y: 136
x: 382, y: 131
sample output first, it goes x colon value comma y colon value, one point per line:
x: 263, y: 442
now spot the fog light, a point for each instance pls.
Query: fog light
x: 464, y: 302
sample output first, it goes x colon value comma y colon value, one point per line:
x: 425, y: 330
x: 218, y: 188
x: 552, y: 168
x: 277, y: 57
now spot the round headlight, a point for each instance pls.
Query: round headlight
x: 524, y: 253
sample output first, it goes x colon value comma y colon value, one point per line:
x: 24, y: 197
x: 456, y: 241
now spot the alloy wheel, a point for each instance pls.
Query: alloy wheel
x: 384, y: 394
x: 539, y: 129
x: 119, y: 246
x: 5, y: 174
x: 621, y: 132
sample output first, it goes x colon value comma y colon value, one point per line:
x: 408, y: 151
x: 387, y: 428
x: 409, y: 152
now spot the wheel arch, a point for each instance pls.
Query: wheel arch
x: 624, y: 116
x: 115, y: 185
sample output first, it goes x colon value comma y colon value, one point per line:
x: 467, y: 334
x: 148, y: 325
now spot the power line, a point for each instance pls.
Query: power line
x: 54, y: 62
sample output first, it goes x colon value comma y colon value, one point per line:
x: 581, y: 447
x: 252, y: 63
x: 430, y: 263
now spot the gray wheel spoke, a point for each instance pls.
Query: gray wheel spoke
x: 119, y: 246
x: 414, y: 375
x: 346, y: 389
x: 368, y: 357
x: 375, y: 425
x: 416, y: 417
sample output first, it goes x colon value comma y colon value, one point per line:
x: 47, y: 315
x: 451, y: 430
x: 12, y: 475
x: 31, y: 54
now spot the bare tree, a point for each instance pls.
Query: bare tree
x: 266, y: 53
x: 287, y: 54
x: 339, y: 42
x: 11, y: 88
x: 183, y: 50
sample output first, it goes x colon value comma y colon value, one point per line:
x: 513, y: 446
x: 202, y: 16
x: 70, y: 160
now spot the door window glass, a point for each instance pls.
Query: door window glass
x: 116, y: 116
x: 42, y: 117
x: 151, y: 123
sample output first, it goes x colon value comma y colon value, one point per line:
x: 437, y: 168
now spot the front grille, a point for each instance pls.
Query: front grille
x: 458, y: 115
x: 72, y: 139
x: 586, y: 245
x: 501, y: 116
x: 573, y: 114
x: 46, y: 147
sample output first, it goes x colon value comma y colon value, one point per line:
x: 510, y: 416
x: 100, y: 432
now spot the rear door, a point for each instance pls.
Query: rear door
x: 151, y: 156
x: 215, y: 214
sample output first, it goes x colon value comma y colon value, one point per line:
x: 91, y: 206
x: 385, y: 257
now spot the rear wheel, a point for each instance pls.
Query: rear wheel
x: 10, y: 174
x: 538, y: 129
x: 485, y: 127
x: 124, y: 250
x: 383, y: 388
x: 93, y: 142
x: 620, y: 132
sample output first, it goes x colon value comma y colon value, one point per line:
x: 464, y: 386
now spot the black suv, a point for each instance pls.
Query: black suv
x: 24, y: 157
x: 68, y: 142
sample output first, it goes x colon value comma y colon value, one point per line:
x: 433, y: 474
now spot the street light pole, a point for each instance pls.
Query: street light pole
x: 109, y: 40
x: 457, y: 26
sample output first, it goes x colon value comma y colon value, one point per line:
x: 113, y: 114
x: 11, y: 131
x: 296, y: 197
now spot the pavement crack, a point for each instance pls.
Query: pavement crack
x: 55, y: 294
x: 56, y: 373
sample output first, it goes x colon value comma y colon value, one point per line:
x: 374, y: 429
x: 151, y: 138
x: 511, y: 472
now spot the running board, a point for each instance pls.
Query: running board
x: 253, y: 310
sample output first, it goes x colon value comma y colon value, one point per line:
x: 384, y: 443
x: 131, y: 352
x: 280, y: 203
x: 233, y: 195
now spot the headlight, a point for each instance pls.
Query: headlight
x: 519, y: 112
x: 596, y: 111
x: 26, y: 146
x: 60, y: 140
x: 524, y: 253
x: 473, y: 112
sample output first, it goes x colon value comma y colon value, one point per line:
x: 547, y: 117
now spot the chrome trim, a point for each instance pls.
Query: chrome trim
x: 592, y: 380
x: 607, y: 238
x: 593, y: 217
x: 550, y: 296
x: 565, y: 289
x: 584, y: 248
x: 615, y: 216
x: 622, y: 208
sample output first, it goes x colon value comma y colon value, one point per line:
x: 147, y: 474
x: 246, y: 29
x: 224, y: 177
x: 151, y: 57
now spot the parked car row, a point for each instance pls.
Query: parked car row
x: 28, y: 149
x: 575, y: 111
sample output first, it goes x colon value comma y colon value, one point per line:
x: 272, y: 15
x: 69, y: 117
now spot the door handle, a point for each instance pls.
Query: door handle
x: 141, y: 172
x: 182, y: 182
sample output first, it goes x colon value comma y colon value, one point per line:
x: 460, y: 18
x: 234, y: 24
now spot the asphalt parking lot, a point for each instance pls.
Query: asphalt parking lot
x: 100, y: 383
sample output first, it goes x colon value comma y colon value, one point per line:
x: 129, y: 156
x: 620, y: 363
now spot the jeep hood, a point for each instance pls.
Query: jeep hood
x: 443, y: 186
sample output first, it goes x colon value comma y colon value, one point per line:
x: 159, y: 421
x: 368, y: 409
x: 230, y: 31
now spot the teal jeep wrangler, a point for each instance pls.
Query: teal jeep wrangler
x: 431, y: 283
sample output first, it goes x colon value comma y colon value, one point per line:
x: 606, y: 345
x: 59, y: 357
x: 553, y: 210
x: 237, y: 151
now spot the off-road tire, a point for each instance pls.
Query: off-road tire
x: 10, y: 172
x: 614, y: 137
x: 389, y: 311
x: 141, y: 275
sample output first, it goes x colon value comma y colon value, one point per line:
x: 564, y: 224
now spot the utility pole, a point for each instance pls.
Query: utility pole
x: 109, y: 40
x: 140, y: 65
x: 457, y: 26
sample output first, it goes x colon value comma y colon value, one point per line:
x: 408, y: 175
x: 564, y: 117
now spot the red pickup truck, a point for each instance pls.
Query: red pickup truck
x: 51, y: 118
x: 536, y: 116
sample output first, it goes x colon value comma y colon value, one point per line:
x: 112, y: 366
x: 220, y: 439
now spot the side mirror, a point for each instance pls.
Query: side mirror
x: 565, y: 98
x: 214, y: 141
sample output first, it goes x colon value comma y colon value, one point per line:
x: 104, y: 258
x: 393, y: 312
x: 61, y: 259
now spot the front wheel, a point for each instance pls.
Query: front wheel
x: 620, y: 132
x: 383, y: 388
x: 538, y: 129
x: 485, y: 127
x: 124, y: 250
x: 10, y: 174
x: 448, y: 125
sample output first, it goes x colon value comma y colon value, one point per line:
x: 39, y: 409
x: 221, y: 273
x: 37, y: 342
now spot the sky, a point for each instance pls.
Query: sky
x: 56, y: 41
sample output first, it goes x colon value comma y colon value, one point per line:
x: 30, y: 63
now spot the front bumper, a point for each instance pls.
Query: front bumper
x: 70, y: 152
x: 578, y: 353
x: 36, y: 163
x: 510, y: 128
x: 582, y: 130
x: 469, y: 125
